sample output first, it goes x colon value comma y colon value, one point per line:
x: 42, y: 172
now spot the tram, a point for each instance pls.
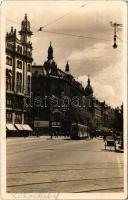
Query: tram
x: 78, y: 131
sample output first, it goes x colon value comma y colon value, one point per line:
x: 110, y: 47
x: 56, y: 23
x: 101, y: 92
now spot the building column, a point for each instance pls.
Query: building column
x: 13, y: 118
x: 22, y: 118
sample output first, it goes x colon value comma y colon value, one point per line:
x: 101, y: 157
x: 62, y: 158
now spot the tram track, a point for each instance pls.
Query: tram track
x: 35, y: 147
x: 60, y: 165
x: 99, y: 190
x: 61, y: 170
x: 63, y: 181
x: 68, y: 164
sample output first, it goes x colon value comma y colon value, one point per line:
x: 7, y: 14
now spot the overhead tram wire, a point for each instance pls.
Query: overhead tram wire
x: 55, y: 20
x: 60, y: 33
x: 58, y: 19
x: 66, y: 34
x: 73, y: 35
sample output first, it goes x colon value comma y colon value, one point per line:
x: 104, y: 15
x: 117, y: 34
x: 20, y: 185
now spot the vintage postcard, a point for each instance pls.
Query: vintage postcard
x: 63, y: 99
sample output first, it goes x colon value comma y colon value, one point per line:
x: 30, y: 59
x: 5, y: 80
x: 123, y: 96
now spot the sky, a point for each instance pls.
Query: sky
x: 91, y: 55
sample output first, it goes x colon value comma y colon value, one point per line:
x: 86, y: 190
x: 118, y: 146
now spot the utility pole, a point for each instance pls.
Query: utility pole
x: 115, y: 26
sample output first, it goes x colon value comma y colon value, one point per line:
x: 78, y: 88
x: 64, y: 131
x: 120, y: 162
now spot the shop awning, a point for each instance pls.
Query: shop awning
x: 41, y: 124
x: 26, y: 127
x: 56, y: 126
x: 10, y: 127
x: 19, y: 127
x: 105, y: 129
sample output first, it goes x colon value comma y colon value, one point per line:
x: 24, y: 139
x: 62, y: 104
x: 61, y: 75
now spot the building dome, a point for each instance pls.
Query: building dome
x: 50, y: 65
x: 50, y: 52
x: 25, y: 26
x: 89, y: 89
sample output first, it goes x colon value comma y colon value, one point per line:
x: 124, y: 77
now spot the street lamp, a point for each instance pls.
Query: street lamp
x: 115, y: 25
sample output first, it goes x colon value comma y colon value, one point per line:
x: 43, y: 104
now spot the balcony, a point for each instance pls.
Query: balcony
x: 10, y: 46
x: 27, y: 53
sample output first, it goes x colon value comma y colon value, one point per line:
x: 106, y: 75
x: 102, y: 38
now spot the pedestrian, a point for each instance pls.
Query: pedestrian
x: 114, y: 136
x: 104, y: 138
x: 51, y: 136
x: 37, y: 132
x: 51, y: 133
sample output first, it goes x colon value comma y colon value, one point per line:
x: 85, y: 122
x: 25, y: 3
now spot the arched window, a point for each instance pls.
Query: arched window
x: 20, y: 65
x: 28, y: 84
x: 28, y: 68
x: 9, y: 116
x: 20, y: 82
x: 17, y: 48
x: 10, y: 61
x: 7, y: 72
x: 21, y: 50
x: 17, y: 82
x: 9, y: 101
x: 7, y: 60
x: 17, y: 63
x: 10, y: 80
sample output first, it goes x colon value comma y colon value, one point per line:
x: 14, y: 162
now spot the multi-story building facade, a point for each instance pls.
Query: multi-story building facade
x: 18, y: 75
x: 58, y: 97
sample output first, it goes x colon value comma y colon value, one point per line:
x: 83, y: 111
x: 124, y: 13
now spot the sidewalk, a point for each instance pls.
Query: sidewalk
x: 44, y: 137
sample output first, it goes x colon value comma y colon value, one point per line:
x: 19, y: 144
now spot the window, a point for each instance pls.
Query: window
x: 10, y: 61
x: 28, y: 67
x: 18, y: 117
x: 9, y: 116
x: 19, y: 64
x: 19, y: 49
x: 28, y: 84
x: 19, y: 82
x: 9, y: 101
x: 29, y: 53
x: 7, y: 60
x: 8, y: 79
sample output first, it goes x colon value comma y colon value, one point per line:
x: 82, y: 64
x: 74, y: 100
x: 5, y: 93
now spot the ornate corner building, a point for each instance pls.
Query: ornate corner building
x: 18, y: 76
x: 61, y: 100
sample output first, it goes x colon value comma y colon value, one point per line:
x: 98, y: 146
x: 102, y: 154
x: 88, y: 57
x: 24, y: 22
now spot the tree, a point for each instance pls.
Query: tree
x: 118, y: 122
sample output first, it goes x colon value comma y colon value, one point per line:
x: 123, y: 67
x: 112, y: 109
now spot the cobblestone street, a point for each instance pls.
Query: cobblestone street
x: 61, y: 165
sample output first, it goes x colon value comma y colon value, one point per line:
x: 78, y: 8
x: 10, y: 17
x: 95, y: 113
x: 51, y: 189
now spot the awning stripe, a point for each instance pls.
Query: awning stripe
x: 10, y: 127
x: 26, y: 127
x: 19, y: 127
x: 56, y: 126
